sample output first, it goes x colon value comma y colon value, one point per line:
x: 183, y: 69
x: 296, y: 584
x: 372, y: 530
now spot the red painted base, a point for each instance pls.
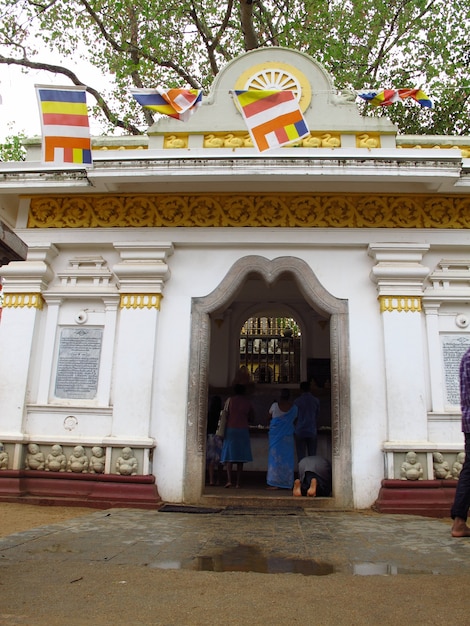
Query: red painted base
x: 431, y: 498
x: 99, y: 491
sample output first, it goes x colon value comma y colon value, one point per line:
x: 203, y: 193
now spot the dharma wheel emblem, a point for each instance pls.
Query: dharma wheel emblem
x: 277, y: 76
x: 274, y: 79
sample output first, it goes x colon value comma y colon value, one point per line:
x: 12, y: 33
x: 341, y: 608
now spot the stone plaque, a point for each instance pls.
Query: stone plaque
x: 453, y: 349
x: 78, y: 363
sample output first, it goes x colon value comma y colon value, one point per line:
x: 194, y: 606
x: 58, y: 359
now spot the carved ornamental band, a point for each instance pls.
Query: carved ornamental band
x: 141, y: 301
x: 255, y: 210
x: 400, y: 304
x: 23, y: 300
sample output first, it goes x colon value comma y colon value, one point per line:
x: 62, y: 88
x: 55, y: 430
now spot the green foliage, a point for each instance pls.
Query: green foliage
x: 144, y: 43
x: 12, y: 148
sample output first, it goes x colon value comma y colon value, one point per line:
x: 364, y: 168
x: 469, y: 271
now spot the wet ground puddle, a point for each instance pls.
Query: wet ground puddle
x: 246, y: 558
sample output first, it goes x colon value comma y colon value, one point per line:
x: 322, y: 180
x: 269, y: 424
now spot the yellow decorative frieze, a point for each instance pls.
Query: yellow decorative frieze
x: 400, y: 303
x: 256, y: 210
x: 243, y: 140
x: 23, y: 300
x: 227, y: 140
x: 464, y: 150
x: 175, y: 141
x: 140, y: 301
x: 368, y: 140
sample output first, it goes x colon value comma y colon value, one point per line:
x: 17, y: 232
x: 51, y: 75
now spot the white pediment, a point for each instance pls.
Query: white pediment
x: 326, y: 109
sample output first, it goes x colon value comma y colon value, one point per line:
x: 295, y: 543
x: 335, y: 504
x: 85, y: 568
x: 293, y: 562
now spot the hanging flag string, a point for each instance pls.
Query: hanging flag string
x: 386, y: 97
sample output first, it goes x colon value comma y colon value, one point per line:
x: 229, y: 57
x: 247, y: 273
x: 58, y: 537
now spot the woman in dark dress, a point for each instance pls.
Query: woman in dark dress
x: 237, y: 447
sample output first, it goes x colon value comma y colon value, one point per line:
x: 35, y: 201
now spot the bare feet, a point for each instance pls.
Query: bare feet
x: 297, y: 491
x: 228, y: 485
x: 460, y: 528
x: 312, y: 490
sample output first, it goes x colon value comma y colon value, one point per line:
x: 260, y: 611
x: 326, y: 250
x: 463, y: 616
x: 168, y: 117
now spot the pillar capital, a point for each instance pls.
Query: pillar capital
x: 143, y: 268
x: 32, y: 275
x: 398, y: 270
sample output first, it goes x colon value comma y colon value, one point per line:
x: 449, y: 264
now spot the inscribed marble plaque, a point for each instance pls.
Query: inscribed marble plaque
x: 453, y: 349
x: 78, y: 363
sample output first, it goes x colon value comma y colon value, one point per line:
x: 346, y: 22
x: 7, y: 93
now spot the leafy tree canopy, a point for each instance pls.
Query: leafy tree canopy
x: 145, y: 43
x: 12, y: 148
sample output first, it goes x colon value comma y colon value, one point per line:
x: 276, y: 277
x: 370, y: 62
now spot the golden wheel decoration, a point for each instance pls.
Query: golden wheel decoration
x: 274, y: 79
x: 277, y: 76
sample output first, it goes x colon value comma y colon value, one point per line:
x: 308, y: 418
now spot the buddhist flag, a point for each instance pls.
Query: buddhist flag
x: 383, y: 98
x: 273, y: 118
x: 418, y: 95
x: 65, y: 127
x: 177, y: 103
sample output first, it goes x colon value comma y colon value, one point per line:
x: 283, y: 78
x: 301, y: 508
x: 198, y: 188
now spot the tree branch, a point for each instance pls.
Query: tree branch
x: 131, y: 48
x: 387, y: 43
x: 56, y: 69
x: 212, y: 43
x: 250, y: 36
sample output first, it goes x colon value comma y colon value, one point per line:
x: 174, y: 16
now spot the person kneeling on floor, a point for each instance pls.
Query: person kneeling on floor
x: 315, y: 477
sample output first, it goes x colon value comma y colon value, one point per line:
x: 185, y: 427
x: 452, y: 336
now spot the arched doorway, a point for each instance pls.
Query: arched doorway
x: 277, y: 276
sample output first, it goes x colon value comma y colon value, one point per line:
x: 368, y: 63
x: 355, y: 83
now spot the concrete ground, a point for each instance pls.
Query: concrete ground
x: 231, y: 565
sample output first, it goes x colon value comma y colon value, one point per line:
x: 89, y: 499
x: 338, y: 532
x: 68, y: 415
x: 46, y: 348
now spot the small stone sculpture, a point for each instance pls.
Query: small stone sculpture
x: 35, y: 458
x: 458, y: 464
x: 3, y: 458
x: 411, y: 469
x: 441, y: 468
x: 126, y: 465
x: 97, y: 460
x: 78, y: 461
x: 56, y: 461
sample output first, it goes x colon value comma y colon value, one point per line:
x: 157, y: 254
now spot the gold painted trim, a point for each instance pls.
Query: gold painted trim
x: 140, y: 301
x: 400, y: 304
x: 255, y: 210
x: 23, y: 300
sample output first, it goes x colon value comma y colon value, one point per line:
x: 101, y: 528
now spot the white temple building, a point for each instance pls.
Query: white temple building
x: 152, y: 276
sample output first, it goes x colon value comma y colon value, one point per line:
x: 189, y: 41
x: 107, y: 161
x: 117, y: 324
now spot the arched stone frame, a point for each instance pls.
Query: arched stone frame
x: 319, y: 299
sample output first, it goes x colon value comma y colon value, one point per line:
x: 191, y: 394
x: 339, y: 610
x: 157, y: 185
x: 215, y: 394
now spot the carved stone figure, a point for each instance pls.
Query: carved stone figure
x: 56, y: 461
x: 411, y: 468
x: 458, y: 464
x: 97, y: 460
x: 78, y: 461
x: 3, y: 458
x: 441, y: 468
x: 126, y: 465
x: 35, y: 458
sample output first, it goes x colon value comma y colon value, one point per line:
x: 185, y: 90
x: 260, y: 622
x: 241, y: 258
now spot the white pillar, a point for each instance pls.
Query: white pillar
x: 24, y: 282
x: 431, y: 310
x: 399, y: 275
x: 142, y: 273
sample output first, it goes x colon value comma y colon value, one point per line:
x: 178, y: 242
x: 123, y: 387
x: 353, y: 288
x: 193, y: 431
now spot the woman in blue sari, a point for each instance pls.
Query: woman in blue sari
x: 281, y: 460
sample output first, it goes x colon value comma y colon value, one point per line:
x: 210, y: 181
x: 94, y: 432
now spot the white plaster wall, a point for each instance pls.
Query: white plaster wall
x: 195, y: 274
x: 200, y: 261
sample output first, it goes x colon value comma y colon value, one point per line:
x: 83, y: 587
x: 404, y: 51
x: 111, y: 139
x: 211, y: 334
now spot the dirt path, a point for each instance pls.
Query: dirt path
x: 51, y: 591
x: 18, y: 517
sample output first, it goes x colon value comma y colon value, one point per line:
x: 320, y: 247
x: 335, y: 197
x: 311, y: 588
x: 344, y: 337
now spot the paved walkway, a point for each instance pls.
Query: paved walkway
x: 240, y: 539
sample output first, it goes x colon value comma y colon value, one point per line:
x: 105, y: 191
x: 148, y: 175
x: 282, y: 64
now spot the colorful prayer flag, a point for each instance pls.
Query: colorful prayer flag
x: 273, y: 118
x: 65, y: 127
x: 385, y: 97
x: 177, y: 103
x: 417, y: 95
